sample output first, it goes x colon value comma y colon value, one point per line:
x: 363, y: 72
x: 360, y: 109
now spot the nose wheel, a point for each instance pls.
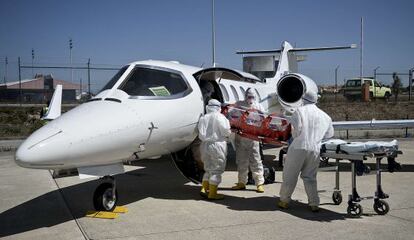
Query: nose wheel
x: 105, y: 196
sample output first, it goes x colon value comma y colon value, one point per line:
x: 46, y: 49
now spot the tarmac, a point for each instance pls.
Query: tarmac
x: 162, y: 204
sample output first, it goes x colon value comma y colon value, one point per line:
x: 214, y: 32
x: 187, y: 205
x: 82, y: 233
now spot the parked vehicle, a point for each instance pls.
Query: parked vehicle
x: 353, y: 89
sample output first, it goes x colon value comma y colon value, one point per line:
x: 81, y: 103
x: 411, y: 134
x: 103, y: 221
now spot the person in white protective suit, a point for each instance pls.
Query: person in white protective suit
x: 248, y: 151
x: 214, y: 129
x: 310, y: 126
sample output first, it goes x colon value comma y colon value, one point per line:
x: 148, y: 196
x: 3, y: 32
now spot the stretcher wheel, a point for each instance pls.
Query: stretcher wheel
x: 337, y: 198
x: 354, y: 210
x: 381, y: 207
x: 325, y: 159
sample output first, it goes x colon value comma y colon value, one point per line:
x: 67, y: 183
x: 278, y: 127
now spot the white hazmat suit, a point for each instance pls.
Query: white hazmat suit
x: 213, y: 128
x: 248, y: 151
x: 310, y: 126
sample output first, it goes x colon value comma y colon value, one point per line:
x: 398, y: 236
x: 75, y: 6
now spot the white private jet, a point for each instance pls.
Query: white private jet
x: 148, y: 109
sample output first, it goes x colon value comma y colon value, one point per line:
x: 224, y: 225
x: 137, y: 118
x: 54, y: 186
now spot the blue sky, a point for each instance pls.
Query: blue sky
x: 118, y: 32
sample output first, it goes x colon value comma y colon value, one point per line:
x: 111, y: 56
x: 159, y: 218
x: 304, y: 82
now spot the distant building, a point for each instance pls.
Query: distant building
x: 38, y: 90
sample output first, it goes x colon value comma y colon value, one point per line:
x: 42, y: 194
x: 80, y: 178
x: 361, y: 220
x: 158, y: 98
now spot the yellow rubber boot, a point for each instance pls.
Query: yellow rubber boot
x: 204, y: 189
x: 283, y: 205
x: 260, y: 188
x: 213, y: 195
x: 239, y: 186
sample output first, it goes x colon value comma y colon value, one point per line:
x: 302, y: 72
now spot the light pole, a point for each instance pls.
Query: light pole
x: 375, y: 80
x: 70, y: 53
x: 33, y: 55
x: 213, y: 33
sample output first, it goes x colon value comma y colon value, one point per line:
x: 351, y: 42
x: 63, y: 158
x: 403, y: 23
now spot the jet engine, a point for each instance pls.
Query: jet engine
x: 291, y: 88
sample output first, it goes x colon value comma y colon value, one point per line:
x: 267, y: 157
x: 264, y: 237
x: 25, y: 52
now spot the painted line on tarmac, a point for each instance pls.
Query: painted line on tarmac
x: 85, y: 235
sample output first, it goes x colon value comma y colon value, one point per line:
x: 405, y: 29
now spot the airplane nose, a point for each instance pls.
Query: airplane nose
x: 97, y: 132
x: 42, y: 149
x: 20, y: 159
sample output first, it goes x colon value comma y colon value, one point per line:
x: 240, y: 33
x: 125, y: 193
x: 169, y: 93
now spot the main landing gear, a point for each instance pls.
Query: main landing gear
x: 105, y: 196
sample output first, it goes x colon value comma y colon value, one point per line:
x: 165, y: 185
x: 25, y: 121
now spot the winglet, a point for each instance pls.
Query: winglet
x: 55, y: 105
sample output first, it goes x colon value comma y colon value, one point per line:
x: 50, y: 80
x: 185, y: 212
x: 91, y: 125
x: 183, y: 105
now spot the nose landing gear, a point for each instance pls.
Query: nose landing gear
x: 105, y: 196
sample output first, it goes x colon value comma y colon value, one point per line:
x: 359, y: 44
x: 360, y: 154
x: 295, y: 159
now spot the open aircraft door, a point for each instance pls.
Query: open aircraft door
x: 188, y: 160
x: 216, y: 74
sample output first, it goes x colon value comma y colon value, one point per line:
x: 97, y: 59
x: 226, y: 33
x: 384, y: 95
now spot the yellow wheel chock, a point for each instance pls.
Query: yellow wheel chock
x: 107, y: 215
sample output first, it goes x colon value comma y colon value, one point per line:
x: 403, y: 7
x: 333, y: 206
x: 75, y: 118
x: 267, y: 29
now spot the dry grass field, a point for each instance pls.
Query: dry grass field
x: 19, y: 122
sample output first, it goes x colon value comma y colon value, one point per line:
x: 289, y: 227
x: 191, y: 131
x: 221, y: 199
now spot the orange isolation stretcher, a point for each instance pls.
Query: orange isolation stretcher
x: 251, y: 123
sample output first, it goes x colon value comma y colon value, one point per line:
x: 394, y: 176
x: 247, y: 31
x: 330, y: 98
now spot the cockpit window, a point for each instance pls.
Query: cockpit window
x: 153, y: 82
x: 114, y: 79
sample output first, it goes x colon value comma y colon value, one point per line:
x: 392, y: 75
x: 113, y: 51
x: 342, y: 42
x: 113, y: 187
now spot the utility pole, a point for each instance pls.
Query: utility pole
x: 336, y: 81
x: 33, y: 55
x: 70, y: 53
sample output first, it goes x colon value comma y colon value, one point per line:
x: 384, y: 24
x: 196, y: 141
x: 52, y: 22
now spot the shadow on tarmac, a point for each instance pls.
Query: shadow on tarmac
x: 158, y: 179
x: 266, y: 203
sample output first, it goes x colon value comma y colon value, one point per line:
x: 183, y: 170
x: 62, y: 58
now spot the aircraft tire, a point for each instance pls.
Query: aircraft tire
x: 103, y: 199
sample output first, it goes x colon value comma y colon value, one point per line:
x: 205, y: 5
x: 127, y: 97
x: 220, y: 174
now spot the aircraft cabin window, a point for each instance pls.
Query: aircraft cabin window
x: 243, y: 91
x: 236, y: 96
x: 114, y: 79
x: 225, y: 93
x: 153, y: 82
x: 258, y: 95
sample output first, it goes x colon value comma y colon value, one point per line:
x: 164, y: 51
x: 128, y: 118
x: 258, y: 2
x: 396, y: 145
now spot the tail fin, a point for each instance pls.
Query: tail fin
x: 55, y: 104
x: 287, y: 59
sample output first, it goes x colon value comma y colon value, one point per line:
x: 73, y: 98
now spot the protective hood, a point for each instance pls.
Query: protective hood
x: 213, y: 106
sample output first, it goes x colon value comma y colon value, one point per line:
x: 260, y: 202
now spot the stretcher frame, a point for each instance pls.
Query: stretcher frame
x: 354, y: 209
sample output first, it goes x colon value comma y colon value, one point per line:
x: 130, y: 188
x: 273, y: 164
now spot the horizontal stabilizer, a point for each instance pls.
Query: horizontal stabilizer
x: 323, y: 48
x: 260, y: 51
x: 297, y: 49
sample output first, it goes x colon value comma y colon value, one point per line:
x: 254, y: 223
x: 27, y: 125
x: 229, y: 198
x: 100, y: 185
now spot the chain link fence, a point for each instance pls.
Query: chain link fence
x: 85, y: 80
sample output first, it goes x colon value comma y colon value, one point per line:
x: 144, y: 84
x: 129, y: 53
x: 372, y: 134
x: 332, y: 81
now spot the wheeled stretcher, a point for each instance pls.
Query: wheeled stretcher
x: 358, y: 152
